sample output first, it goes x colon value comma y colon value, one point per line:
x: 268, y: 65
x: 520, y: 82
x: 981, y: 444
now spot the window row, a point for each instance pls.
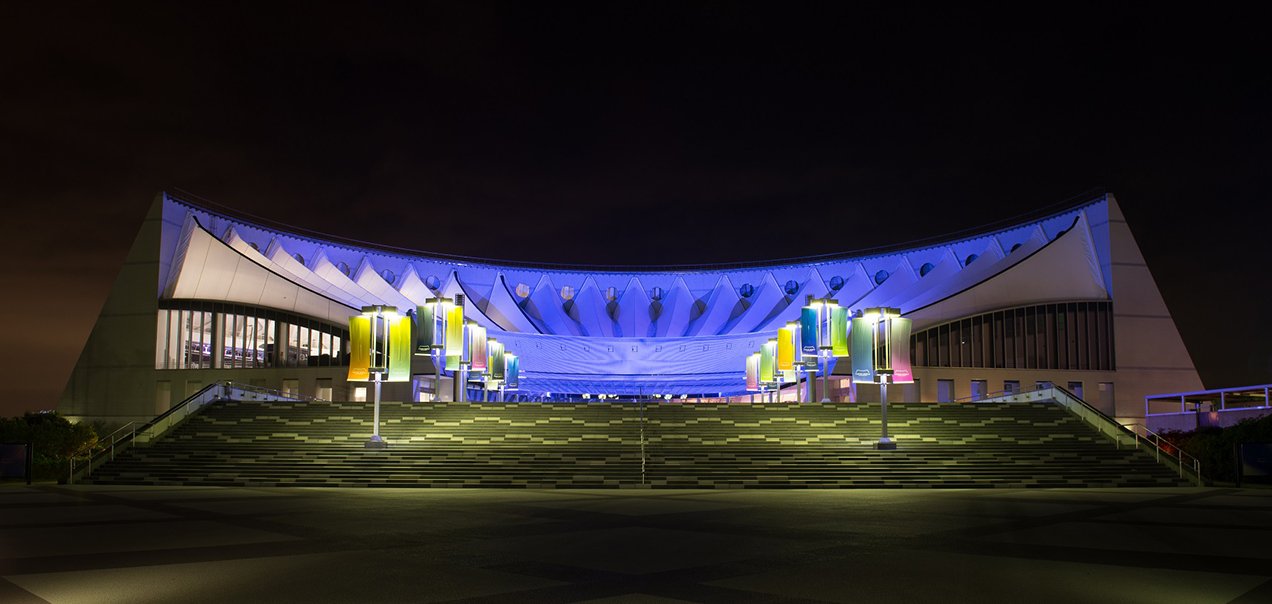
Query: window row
x: 1072, y: 335
x: 213, y: 335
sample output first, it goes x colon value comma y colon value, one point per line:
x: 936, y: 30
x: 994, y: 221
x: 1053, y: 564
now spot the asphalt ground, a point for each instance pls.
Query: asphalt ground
x: 136, y: 545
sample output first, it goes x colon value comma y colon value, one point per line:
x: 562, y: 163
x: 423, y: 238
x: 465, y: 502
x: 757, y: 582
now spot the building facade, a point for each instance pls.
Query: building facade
x: 1062, y: 297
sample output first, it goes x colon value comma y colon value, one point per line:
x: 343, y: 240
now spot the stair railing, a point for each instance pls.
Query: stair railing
x: 162, y: 424
x: 1137, y: 435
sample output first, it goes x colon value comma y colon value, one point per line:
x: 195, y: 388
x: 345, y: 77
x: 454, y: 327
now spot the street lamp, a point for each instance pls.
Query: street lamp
x: 753, y: 374
x: 797, y: 362
x: 476, y: 353
x: 823, y: 333
x: 380, y: 341
x: 881, y: 354
x: 430, y: 337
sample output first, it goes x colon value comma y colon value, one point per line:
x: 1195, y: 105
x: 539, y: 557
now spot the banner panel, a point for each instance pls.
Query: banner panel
x: 454, y: 345
x: 785, y: 350
x: 767, y: 353
x: 425, y: 329
x: 477, y: 350
x: 808, y: 331
x: 899, y: 342
x: 839, y: 332
x: 863, y: 367
x: 359, y: 348
x: 753, y: 372
x: 789, y: 376
x: 497, y: 368
x: 797, y: 356
x: 514, y: 372
x: 400, y: 350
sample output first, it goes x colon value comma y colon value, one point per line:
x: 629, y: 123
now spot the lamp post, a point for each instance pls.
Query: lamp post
x: 431, y: 337
x: 796, y: 357
x: 823, y: 333
x: 880, y: 353
x: 381, y: 341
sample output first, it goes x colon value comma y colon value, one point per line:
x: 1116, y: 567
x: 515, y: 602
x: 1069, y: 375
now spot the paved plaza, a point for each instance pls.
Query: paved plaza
x: 137, y: 545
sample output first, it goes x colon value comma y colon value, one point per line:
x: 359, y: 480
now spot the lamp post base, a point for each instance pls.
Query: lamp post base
x: 376, y: 443
x: 885, y: 444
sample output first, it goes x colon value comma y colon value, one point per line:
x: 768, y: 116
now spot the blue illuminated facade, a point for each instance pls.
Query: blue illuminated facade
x: 263, y: 303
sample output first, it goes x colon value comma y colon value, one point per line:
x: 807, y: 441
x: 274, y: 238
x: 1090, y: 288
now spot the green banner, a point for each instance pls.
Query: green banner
x: 399, y: 350
x: 497, y: 368
x: 767, y: 353
x: 839, y: 331
x: 426, y: 328
x: 359, y: 348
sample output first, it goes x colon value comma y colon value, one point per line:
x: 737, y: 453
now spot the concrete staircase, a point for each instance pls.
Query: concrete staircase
x: 658, y: 445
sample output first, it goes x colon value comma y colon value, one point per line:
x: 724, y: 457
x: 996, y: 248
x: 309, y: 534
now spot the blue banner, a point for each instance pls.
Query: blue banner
x: 808, y: 331
x: 863, y: 362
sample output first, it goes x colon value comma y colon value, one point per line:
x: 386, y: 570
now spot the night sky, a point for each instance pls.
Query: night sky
x: 631, y: 133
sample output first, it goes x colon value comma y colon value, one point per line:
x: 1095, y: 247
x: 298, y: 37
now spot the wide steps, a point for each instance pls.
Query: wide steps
x: 659, y: 445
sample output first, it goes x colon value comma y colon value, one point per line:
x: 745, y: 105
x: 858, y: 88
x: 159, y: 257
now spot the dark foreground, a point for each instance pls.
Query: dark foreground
x: 136, y: 545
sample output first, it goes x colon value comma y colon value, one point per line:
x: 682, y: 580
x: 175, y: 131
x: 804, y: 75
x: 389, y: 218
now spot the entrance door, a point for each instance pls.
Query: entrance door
x: 944, y: 391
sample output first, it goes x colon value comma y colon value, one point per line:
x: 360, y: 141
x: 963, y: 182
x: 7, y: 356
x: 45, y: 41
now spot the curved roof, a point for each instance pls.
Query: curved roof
x: 210, y: 254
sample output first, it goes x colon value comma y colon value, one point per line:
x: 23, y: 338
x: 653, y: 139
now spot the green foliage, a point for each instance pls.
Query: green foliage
x: 53, y: 438
x: 1214, y: 446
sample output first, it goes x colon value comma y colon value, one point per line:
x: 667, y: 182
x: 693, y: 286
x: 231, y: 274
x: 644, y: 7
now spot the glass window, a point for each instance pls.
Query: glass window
x: 207, y: 335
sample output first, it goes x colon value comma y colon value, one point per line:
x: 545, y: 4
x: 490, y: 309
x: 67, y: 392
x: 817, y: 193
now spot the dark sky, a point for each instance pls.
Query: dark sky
x: 631, y: 133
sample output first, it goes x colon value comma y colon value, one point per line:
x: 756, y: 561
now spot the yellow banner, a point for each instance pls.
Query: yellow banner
x: 359, y: 349
x: 454, y: 336
x: 785, y: 350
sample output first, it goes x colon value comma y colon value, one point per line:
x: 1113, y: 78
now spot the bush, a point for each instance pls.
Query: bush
x: 1214, y: 446
x: 53, y: 440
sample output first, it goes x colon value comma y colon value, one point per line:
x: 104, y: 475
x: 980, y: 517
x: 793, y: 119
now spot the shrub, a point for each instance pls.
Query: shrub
x: 53, y: 439
x: 1213, y: 447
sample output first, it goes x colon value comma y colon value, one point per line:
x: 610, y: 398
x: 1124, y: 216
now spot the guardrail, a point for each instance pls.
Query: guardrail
x: 132, y: 434
x: 1137, y: 435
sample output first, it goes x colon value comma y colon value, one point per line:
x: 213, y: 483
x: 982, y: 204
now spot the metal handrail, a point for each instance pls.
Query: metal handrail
x: 1180, y: 453
x: 163, y: 423
x: 1107, y: 426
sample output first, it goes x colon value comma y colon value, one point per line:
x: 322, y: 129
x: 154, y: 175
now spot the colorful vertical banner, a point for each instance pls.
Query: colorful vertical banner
x: 753, y: 372
x: 797, y: 357
x: 454, y: 345
x: 863, y: 364
x: 513, y: 380
x: 477, y: 348
x: 899, y: 342
x: 426, y: 328
x: 399, y: 349
x: 359, y: 348
x: 789, y: 376
x: 839, y: 331
x: 785, y: 350
x: 808, y: 331
x: 767, y: 353
x: 498, y: 370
